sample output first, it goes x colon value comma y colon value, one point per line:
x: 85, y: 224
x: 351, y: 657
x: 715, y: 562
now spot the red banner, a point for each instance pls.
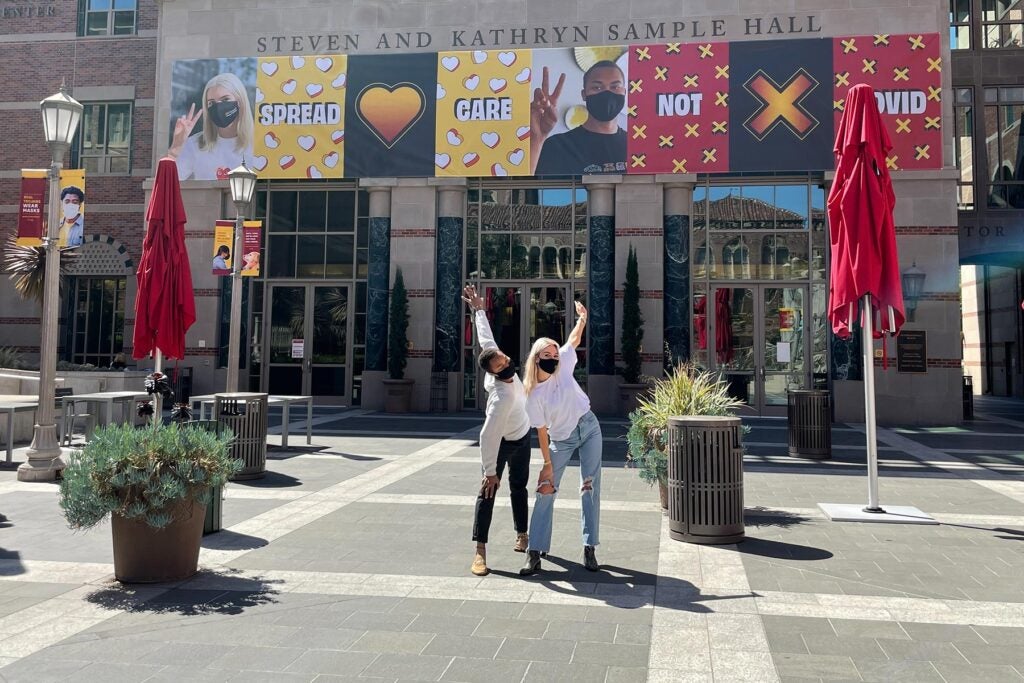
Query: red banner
x: 251, y: 241
x: 30, y: 214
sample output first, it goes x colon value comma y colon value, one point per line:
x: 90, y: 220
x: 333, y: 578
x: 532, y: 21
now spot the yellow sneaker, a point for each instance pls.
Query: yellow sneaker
x: 479, y: 566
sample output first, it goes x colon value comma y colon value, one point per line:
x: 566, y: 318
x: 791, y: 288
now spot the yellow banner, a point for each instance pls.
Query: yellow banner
x: 223, y: 241
x: 72, y: 206
x: 483, y: 113
x: 300, y: 112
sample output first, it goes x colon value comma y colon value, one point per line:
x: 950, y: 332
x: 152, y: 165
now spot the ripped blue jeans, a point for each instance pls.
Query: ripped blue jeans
x: 587, y: 438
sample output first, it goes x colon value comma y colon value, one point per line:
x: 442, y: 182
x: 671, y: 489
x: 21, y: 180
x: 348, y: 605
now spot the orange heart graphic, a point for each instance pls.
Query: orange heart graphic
x: 389, y: 111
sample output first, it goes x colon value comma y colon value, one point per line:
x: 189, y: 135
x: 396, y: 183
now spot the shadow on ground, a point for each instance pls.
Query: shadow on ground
x: 216, y: 593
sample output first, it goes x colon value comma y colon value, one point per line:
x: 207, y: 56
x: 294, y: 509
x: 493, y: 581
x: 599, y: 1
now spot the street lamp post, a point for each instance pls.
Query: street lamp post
x: 243, y: 182
x: 61, y: 115
x: 913, y: 285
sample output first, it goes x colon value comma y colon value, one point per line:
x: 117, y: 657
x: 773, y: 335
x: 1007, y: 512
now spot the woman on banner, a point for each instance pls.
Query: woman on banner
x: 226, y: 136
x: 560, y: 411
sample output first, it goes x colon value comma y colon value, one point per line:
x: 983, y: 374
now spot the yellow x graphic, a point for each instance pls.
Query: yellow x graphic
x: 902, y: 125
x: 721, y: 72
x: 843, y: 79
x: 881, y: 39
x: 631, y: 110
x: 931, y: 122
x: 660, y: 73
x: 709, y: 155
x: 643, y: 53
x: 718, y: 127
x: 849, y: 45
x: 639, y: 160
x: 900, y: 74
x: 705, y: 51
x: 869, y: 66
x: 933, y: 93
x: 890, y: 163
x: 692, y: 130
x: 679, y: 166
x: 838, y: 104
x: 640, y: 132
x: 721, y: 99
x: 672, y: 47
x: 921, y: 152
x: 690, y: 81
x: 665, y: 141
x: 636, y: 86
x: 934, y: 64
x: 916, y: 43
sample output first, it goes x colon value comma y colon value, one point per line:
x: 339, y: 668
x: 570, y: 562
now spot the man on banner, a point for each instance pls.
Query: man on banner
x: 598, y: 145
x: 72, y: 227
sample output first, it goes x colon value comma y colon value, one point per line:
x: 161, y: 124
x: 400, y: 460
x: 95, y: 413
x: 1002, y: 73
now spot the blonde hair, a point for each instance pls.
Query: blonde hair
x: 233, y: 85
x: 530, y: 371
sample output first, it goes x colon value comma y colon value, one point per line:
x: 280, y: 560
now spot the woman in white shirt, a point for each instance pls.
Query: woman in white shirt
x: 560, y: 411
x: 226, y: 137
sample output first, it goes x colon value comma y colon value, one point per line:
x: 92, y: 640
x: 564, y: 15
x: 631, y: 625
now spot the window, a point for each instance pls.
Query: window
x: 97, y: 319
x: 103, y: 143
x: 108, y: 17
x: 963, y: 143
x: 1004, y: 147
x: 1002, y: 23
x: 960, y: 24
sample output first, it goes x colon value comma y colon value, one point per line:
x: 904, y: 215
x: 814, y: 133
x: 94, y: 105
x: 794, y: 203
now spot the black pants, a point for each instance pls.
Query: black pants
x: 517, y: 455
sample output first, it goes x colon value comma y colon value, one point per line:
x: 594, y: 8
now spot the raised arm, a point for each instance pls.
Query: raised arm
x: 483, y: 328
x: 576, y: 336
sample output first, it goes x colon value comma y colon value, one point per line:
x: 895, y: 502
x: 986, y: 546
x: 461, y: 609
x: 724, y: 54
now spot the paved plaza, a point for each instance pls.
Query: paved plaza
x: 350, y: 561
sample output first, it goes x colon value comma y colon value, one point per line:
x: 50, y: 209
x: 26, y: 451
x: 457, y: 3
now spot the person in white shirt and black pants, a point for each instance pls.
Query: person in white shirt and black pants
x: 560, y: 411
x: 504, y: 439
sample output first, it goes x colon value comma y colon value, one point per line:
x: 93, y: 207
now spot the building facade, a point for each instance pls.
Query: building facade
x: 106, y: 54
x: 987, y: 38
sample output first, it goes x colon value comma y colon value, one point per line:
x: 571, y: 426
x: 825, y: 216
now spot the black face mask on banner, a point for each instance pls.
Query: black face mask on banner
x: 223, y: 114
x: 548, y: 365
x: 506, y: 372
x: 605, y: 105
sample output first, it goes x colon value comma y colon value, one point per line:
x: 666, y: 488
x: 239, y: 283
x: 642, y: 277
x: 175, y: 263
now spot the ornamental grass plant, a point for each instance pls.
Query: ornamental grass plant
x: 144, y: 473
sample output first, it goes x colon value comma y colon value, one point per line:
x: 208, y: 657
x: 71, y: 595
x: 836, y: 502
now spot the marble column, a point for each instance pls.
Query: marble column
x: 601, y: 296
x: 378, y: 279
x: 451, y: 205
x: 676, y: 275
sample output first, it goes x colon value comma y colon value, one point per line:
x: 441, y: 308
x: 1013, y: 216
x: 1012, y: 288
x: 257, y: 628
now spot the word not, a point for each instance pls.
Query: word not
x: 300, y: 113
x: 484, y: 109
x: 679, y: 104
x: 901, y: 101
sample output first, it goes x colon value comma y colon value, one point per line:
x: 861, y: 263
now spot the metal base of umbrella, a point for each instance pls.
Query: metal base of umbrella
x: 892, y: 514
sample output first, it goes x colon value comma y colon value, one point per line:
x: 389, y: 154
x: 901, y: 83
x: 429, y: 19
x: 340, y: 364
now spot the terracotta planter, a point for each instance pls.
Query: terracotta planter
x: 397, y: 395
x: 628, y: 395
x: 663, y: 493
x: 143, y: 554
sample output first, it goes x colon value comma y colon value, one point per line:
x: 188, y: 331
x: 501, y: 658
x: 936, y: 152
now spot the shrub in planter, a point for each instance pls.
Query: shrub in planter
x: 631, y: 339
x: 685, y: 390
x: 155, y: 482
x: 399, y: 389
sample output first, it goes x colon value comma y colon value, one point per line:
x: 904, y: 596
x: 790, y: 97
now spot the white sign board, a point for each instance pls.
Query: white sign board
x: 298, y: 348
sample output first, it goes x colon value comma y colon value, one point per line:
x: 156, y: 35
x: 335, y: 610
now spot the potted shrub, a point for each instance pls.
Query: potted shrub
x: 685, y: 390
x: 155, y: 483
x: 398, y: 390
x: 631, y: 338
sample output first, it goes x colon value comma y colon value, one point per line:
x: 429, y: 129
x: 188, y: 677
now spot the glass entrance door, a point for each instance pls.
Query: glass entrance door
x: 757, y: 337
x: 307, y: 340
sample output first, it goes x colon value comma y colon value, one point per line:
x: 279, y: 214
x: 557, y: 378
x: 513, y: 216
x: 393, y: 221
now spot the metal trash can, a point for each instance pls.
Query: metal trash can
x: 214, y: 511
x: 968, y: 392
x: 810, y: 424
x: 245, y: 414
x: 705, y: 479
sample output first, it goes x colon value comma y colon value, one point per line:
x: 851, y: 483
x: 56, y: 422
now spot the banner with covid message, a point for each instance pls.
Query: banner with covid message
x: 33, y: 212
x: 750, y: 106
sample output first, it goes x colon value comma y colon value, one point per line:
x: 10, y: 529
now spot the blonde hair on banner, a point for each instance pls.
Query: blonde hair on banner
x: 530, y: 371
x: 234, y: 85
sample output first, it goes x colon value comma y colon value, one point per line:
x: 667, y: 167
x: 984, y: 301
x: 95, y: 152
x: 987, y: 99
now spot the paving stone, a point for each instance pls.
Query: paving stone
x: 322, y: 638
x: 898, y: 670
x: 257, y: 658
x: 485, y: 670
x: 785, y: 624
x: 621, y: 674
x: 862, y: 628
x: 1001, y: 635
x: 531, y: 649
x: 427, y: 606
x: 437, y: 623
x: 272, y: 677
x: 568, y: 630
x: 114, y: 672
x: 41, y: 668
x: 196, y: 654
x: 991, y: 654
x: 177, y: 674
x: 474, y: 647
x: 557, y: 672
x: 843, y: 646
x: 391, y: 641
x: 783, y: 641
x: 327, y: 661
x: 921, y: 651
x: 378, y: 622
x: 636, y: 634
x: 511, y: 628
x: 971, y: 673
x: 613, y: 615
x: 476, y: 608
x: 610, y: 654
x: 411, y: 667
x: 949, y: 633
x: 814, y: 666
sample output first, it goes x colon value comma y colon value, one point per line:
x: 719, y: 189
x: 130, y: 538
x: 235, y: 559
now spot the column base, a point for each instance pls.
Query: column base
x: 41, y: 469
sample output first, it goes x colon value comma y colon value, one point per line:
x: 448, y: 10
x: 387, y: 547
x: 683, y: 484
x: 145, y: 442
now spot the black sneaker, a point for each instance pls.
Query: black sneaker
x: 532, y: 565
x: 590, y: 559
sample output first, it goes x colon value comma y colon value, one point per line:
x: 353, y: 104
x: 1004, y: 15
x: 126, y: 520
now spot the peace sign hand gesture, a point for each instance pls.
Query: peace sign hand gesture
x: 182, y: 129
x: 544, y: 107
x: 475, y: 301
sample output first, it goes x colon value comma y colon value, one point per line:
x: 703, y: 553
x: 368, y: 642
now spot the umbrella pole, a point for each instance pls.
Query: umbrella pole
x: 869, y: 406
x: 158, y: 400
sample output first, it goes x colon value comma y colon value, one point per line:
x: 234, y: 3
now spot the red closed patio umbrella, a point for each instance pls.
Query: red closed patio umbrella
x: 165, y: 306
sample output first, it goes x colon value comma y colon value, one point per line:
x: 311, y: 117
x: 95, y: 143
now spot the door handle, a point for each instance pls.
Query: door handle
x: 762, y: 372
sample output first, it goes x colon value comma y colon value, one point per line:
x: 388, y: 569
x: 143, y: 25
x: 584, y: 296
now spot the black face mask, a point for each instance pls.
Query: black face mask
x: 506, y: 372
x: 548, y: 365
x: 605, y: 105
x: 223, y: 114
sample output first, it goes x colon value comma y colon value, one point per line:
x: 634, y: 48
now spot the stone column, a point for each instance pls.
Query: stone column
x: 378, y: 283
x: 601, y: 381
x: 448, y: 313
x: 676, y: 274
